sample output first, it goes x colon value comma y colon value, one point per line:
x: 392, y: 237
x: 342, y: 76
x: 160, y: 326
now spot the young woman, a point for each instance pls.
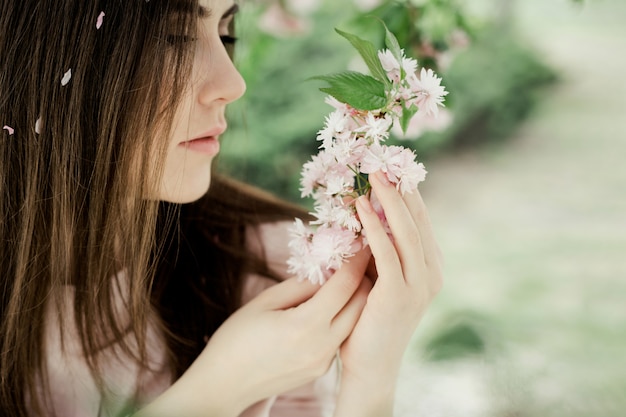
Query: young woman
x: 131, y: 287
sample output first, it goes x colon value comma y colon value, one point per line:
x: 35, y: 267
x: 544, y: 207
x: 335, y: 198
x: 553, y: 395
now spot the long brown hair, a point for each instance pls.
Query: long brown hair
x: 72, y: 177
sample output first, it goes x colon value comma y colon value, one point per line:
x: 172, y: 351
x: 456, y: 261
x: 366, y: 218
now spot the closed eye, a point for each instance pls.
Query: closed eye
x: 229, y: 44
x: 177, y: 39
x: 228, y: 40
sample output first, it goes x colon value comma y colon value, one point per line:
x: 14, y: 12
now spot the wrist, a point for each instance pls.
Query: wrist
x: 195, y: 394
x: 365, y: 398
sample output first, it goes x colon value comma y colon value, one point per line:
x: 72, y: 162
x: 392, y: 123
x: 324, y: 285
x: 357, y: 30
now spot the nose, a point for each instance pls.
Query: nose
x: 221, y: 81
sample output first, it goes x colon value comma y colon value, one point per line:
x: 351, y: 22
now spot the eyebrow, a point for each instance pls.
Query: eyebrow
x: 203, y: 12
x: 234, y: 9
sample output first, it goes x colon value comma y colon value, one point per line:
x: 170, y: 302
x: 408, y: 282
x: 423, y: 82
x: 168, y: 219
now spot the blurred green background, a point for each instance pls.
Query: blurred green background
x: 526, y: 187
x: 492, y: 77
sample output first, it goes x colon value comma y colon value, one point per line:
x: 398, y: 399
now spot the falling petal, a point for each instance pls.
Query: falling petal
x: 66, y: 77
x: 9, y: 129
x: 38, y: 126
x: 100, y: 19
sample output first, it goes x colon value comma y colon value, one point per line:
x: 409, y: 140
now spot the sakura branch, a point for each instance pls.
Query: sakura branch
x: 352, y: 146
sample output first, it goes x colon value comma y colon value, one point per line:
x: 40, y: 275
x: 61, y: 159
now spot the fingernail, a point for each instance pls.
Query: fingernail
x: 365, y: 204
x: 382, y: 178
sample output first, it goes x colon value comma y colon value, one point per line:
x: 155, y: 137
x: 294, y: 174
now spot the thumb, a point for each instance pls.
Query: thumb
x: 287, y: 294
x: 340, y: 288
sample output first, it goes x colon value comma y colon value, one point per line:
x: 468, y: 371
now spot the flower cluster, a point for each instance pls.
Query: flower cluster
x: 352, y: 147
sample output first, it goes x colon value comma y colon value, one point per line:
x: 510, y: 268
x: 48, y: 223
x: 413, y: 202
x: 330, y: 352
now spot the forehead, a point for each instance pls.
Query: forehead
x: 205, y: 8
x: 190, y: 6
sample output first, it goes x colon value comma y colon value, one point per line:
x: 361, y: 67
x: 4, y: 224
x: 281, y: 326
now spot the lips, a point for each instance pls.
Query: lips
x: 206, y: 143
x: 209, y: 146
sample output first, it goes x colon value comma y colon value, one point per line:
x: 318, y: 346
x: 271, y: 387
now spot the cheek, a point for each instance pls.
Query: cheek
x: 184, y: 177
x: 185, y: 174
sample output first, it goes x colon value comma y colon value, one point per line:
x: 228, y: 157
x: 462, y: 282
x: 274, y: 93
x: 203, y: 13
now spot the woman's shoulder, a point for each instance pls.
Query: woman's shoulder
x: 70, y: 385
x: 270, y: 241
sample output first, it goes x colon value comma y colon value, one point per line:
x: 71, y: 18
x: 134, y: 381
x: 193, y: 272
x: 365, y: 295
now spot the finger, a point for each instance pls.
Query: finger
x: 340, y: 288
x: 419, y: 212
x: 384, y: 251
x: 403, y: 227
x: 287, y: 294
x: 405, y: 231
x: 344, y: 322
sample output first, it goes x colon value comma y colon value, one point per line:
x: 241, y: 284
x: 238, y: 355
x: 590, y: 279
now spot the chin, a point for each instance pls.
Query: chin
x: 184, y: 198
x: 186, y: 191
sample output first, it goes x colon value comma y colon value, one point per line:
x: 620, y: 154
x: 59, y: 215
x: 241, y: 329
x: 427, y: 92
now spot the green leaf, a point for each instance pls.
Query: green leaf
x: 407, y: 115
x: 368, y: 52
x: 392, y: 43
x: 360, y: 91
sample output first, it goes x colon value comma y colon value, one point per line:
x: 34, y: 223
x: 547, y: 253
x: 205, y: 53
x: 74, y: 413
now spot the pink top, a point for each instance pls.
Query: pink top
x: 74, y: 392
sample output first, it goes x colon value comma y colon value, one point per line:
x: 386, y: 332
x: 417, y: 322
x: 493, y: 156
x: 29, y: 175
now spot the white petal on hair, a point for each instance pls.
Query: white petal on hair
x: 100, y: 20
x: 9, y: 129
x: 38, y: 126
x: 66, y: 77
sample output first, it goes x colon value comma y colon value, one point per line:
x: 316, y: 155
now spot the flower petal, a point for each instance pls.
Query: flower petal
x: 100, y: 20
x: 66, y: 77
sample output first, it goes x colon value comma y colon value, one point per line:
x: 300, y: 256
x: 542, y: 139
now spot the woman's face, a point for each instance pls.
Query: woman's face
x: 200, y: 118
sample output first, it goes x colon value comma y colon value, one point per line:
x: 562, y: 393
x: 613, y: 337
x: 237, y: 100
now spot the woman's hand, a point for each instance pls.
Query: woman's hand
x: 408, y: 277
x: 284, y: 338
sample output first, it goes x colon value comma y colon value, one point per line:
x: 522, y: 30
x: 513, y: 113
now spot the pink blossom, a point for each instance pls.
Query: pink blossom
x: 314, y: 173
x: 376, y: 128
x: 339, y: 183
x: 9, y: 130
x: 390, y: 65
x: 352, y: 147
x: 323, y: 176
x: 305, y: 266
x: 348, y: 152
x: 301, y: 263
x: 278, y: 22
x: 410, y: 175
x: 100, y: 20
x: 319, y: 254
x: 303, y: 7
x: 301, y: 236
x: 331, y: 246
x: 378, y: 157
x: 398, y: 163
x: 336, y: 124
x: 430, y: 92
x: 409, y: 65
x: 388, y: 60
x: 338, y: 105
x: 337, y: 212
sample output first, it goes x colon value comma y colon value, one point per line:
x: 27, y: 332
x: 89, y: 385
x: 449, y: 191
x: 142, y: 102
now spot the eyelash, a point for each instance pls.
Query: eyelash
x: 178, y: 39
x: 228, y: 40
